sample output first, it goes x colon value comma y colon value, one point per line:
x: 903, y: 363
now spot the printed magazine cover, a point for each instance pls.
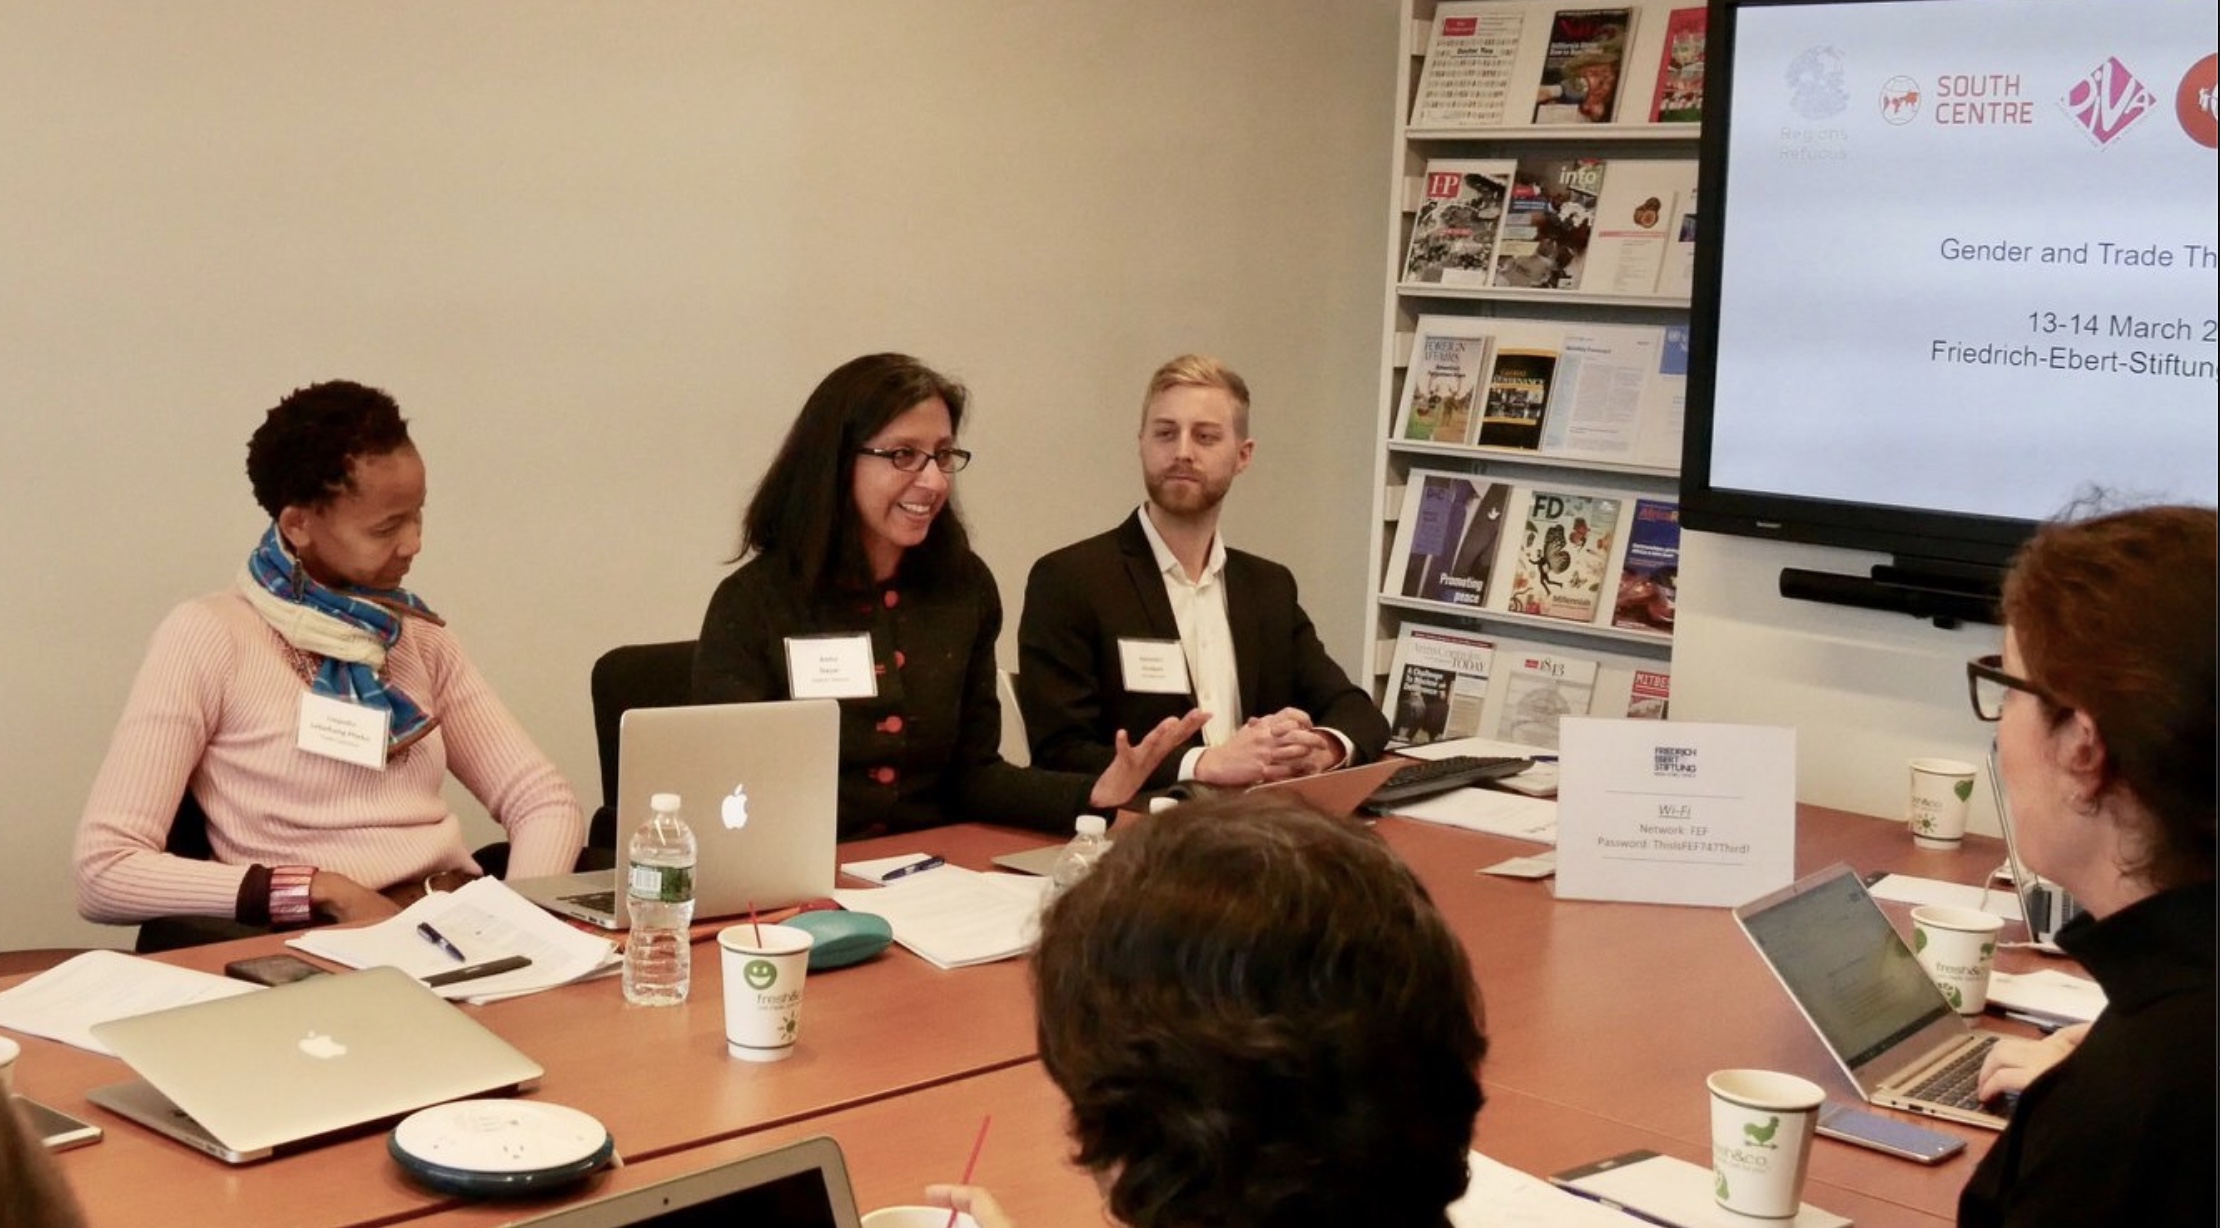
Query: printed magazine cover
x: 1562, y: 553
x: 1680, y: 72
x: 1650, y: 579
x: 1441, y: 386
x: 1467, y: 79
x: 1453, y: 238
x: 1650, y: 695
x: 1538, y: 689
x: 1518, y: 394
x: 1546, y: 223
x: 1587, y: 56
x: 1633, y: 229
x: 1437, y: 685
x: 1446, y: 543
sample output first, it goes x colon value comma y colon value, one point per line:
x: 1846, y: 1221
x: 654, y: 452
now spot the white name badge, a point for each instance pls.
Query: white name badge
x: 1153, y: 667
x: 343, y: 730
x: 830, y: 667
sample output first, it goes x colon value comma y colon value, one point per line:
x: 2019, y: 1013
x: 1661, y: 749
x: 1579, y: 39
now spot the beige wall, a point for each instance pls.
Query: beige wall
x: 600, y: 252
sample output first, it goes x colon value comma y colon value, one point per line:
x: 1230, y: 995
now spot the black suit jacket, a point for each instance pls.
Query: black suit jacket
x: 1081, y: 600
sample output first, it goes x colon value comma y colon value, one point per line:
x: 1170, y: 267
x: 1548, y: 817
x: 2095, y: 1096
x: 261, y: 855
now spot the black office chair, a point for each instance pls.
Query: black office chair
x: 627, y: 677
x: 189, y: 838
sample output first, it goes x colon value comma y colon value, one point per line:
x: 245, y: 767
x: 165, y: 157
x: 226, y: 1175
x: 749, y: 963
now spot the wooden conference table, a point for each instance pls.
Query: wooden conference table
x: 1603, y: 1020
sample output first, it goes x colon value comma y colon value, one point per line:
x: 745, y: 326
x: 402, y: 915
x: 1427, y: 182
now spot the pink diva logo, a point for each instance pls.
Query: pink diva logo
x: 2108, y: 101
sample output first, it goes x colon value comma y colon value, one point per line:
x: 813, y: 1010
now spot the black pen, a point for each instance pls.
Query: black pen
x: 912, y: 868
x: 507, y: 963
x: 425, y: 931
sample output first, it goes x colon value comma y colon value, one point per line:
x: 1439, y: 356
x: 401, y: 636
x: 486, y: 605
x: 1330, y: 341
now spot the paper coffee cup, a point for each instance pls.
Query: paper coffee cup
x: 915, y: 1217
x: 763, y: 989
x: 1942, y: 791
x: 9, y: 1051
x: 1957, y: 947
x: 1761, y: 1130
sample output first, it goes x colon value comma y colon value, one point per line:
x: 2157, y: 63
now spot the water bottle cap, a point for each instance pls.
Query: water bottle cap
x: 667, y: 803
x: 1091, y: 825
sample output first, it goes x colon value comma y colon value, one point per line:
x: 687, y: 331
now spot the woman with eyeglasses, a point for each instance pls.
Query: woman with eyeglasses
x: 859, y: 574
x: 2103, y: 699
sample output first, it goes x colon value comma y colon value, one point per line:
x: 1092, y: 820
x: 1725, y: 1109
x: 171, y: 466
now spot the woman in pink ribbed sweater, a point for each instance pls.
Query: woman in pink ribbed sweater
x: 314, y: 709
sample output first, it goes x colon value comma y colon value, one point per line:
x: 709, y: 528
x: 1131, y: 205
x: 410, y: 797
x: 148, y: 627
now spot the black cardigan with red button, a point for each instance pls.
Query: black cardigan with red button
x: 924, y: 750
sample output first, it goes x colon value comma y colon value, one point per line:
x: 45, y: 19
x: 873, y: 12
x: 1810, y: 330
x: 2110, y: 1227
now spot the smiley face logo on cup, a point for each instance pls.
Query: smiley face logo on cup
x: 760, y: 973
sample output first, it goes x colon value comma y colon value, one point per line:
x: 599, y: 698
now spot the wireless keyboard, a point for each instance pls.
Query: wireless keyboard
x: 1431, y: 776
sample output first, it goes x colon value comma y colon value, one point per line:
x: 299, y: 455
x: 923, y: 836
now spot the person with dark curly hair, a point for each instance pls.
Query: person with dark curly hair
x: 2103, y: 699
x: 1259, y: 1018
x: 313, y: 710
x: 852, y: 545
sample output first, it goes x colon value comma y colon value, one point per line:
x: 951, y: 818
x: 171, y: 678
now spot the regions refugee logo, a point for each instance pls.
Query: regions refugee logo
x: 1900, y: 100
x: 1815, y: 86
x: 2193, y: 103
x: 2108, y: 101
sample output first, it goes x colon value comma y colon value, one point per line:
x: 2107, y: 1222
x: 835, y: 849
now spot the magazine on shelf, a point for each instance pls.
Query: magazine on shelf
x: 1517, y: 398
x: 1564, y: 547
x: 1587, y: 59
x: 1650, y: 695
x: 1449, y: 361
x: 1547, y: 223
x: 1438, y: 684
x: 1678, y: 278
x: 1680, y: 70
x: 1538, y: 689
x: 1447, y: 538
x: 1470, y: 57
x: 1605, y: 373
x: 1453, y: 238
x: 1649, y: 579
x: 1633, y: 229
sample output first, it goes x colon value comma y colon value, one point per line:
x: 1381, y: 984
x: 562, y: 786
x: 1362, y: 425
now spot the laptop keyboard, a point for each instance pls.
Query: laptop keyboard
x: 597, y: 901
x: 1957, y: 1082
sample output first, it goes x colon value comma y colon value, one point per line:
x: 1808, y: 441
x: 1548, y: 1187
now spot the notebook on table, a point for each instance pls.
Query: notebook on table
x: 758, y: 783
x: 248, y: 1077
x: 801, y: 1185
x: 1862, y: 990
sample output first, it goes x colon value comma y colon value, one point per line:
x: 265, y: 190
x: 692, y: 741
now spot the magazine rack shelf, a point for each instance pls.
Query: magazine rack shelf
x: 1616, y: 451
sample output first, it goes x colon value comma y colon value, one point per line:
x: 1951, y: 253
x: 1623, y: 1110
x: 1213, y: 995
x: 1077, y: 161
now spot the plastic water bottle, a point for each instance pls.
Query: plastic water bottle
x: 1088, y: 843
x: 659, y: 893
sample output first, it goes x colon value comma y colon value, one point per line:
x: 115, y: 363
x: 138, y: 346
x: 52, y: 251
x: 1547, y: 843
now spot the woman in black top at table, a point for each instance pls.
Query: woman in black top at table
x: 859, y: 575
x: 2104, y: 702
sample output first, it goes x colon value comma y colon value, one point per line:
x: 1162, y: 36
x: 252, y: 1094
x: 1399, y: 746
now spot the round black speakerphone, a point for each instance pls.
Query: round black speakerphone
x: 493, y: 1148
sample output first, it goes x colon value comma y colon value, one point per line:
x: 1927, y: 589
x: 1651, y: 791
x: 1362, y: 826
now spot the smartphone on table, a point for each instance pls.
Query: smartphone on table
x: 59, y: 1130
x: 273, y: 969
x: 1892, y: 1135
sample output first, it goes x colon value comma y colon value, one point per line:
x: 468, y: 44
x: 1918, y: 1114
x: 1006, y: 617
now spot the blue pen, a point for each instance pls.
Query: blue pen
x: 1543, y: 758
x: 912, y: 868
x: 425, y: 931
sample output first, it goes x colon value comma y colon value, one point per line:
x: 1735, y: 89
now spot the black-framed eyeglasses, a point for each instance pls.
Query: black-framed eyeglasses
x: 1986, y: 683
x: 912, y: 460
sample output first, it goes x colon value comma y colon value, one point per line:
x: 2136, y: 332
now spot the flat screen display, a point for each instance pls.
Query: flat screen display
x: 1958, y: 264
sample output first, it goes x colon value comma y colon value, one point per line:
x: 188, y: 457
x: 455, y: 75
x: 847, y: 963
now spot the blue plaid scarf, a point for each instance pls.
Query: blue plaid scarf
x: 350, y: 630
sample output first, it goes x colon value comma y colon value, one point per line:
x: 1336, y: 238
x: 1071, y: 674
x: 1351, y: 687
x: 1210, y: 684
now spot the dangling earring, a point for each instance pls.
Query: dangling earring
x: 2083, y: 804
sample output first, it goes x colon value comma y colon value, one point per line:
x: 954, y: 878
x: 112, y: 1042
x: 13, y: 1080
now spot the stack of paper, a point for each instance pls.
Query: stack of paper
x: 65, y: 1001
x: 953, y: 917
x: 486, y: 921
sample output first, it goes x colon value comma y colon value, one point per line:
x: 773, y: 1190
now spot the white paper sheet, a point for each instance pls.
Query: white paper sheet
x: 953, y: 917
x: 487, y: 920
x: 2048, y: 992
x: 1487, y: 810
x: 1503, y: 1197
x: 65, y: 1001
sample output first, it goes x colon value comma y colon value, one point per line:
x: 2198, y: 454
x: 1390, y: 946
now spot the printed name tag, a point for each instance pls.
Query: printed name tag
x: 830, y: 667
x: 343, y: 730
x: 1153, y: 667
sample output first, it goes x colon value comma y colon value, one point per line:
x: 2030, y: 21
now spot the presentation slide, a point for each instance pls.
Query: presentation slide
x: 1969, y: 257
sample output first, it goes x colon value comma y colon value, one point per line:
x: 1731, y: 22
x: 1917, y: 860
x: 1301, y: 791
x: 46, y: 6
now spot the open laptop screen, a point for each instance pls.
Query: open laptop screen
x: 801, y: 1185
x: 1837, y: 953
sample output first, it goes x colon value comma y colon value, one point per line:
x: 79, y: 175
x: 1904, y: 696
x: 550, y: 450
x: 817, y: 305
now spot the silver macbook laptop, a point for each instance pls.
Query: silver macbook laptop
x: 2044, y: 904
x: 1338, y: 793
x: 246, y: 1077
x: 801, y: 1185
x: 759, y: 785
x: 1889, y: 1028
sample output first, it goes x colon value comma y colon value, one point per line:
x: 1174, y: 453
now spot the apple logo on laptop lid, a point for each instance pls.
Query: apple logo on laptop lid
x: 318, y: 1045
x: 734, y: 810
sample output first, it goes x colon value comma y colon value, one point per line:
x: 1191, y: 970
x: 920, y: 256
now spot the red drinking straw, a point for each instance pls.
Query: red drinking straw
x: 757, y: 924
x: 972, y: 1165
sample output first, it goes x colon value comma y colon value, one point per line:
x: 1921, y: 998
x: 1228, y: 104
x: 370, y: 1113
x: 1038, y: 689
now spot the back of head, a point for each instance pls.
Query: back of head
x: 2115, y: 616
x: 803, y: 512
x: 1260, y: 1018
x: 300, y: 455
